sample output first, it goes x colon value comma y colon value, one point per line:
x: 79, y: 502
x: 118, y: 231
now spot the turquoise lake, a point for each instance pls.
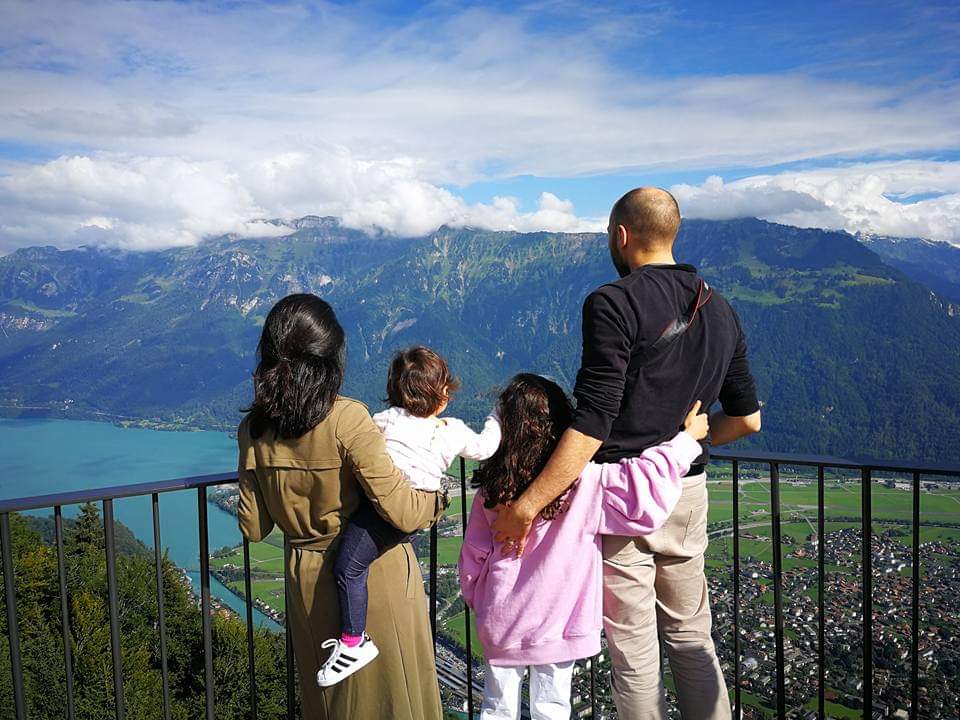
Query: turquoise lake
x: 51, y: 456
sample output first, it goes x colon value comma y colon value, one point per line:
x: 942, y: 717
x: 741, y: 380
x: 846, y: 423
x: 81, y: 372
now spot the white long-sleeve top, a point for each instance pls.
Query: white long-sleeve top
x: 423, y: 448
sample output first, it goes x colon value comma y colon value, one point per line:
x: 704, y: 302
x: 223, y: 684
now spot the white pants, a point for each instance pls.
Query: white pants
x: 549, y: 692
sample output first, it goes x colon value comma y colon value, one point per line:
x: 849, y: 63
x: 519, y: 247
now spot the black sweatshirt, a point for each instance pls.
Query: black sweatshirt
x: 633, y: 406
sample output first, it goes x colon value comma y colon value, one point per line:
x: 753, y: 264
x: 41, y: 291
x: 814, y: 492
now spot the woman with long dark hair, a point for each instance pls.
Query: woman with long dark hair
x: 309, y: 459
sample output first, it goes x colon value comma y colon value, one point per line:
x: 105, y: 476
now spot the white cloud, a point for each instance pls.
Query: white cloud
x: 132, y: 202
x: 176, y: 121
x: 121, y: 120
x: 153, y: 202
x: 145, y: 203
x: 874, y: 197
x: 460, y: 90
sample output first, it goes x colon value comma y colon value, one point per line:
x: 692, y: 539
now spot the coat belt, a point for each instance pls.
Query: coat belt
x: 314, y: 544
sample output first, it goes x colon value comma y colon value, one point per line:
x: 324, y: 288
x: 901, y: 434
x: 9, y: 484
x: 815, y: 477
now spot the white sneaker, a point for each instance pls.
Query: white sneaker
x: 344, y: 661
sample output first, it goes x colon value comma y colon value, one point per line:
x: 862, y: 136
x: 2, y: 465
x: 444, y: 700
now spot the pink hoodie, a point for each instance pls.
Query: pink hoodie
x: 546, y: 607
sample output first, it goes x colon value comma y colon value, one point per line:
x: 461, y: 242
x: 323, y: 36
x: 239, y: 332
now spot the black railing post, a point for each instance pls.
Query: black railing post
x: 108, y: 541
x: 433, y: 585
x: 593, y: 685
x: 251, y: 667
x: 161, y: 613
x: 821, y: 561
x: 64, y: 610
x: 867, y: 587
x: 466, y: 610
x: 288, y: 639
x: 736, y: 588
x: 915, y: 610
x: 205, y: 603
x: 13, y: 630
x: 777, y: 586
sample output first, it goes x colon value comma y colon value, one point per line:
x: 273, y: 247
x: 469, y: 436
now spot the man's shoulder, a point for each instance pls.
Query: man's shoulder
x: 721, y: 304
x: 612, y: 292
x: 643, y: 277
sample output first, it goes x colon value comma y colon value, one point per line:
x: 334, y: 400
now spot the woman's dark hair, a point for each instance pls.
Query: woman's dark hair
x: 300, y: 368
x: 534, y: 412
x: 419, y: 381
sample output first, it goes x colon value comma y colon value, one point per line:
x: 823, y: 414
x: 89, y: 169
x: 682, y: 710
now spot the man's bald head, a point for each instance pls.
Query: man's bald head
x: 650, y: 215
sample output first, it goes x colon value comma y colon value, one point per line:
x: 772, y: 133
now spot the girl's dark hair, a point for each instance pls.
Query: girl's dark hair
x: 534, y: 412
x: 300, y: 367
x: 419, y: 381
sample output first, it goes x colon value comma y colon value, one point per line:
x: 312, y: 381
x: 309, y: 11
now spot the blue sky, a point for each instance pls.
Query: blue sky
x: 152, y: 124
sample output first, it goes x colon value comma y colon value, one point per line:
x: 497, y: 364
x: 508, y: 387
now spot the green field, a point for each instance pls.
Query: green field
x: 269, y: 591
x: 448, y: 550
x: 841, y: 498
x: 455, y: 509
x: 455, y: 628
x: 266, y: 570
x: 265, y: 557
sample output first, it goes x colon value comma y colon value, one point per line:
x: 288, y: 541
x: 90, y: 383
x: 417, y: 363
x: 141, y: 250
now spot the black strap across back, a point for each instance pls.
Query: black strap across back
x: 680, y: 325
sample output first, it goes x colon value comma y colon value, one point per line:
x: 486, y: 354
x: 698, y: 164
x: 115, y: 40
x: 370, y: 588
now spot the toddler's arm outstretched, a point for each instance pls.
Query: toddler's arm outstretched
x: 479, y: 446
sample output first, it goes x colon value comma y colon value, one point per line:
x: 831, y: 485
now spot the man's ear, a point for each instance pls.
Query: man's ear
x: 622, y: 236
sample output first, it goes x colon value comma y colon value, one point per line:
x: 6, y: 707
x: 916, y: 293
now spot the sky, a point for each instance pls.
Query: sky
x: 147, y: 125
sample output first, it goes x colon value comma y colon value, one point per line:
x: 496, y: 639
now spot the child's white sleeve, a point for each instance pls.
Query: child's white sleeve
x: 480, y: 446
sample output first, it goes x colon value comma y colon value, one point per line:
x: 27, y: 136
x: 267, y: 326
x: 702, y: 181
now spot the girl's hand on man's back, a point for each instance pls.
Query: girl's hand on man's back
x: 697, y: 424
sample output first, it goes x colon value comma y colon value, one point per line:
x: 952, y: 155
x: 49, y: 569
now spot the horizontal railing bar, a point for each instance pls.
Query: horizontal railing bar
x: 115, y: 492
x: 833, y: 462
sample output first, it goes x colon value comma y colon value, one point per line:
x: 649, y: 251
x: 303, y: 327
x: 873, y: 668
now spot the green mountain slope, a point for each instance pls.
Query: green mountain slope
x: 852, y: 356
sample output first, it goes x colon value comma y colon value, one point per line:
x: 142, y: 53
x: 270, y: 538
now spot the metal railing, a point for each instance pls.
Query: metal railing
x: 107, y: 496
x: 775, y: 461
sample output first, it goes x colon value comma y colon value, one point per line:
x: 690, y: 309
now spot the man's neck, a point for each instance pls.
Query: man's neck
x: 664, y: 258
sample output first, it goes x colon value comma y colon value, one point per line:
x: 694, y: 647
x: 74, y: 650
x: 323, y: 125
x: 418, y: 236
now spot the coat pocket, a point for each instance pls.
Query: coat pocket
x: 413, y: 571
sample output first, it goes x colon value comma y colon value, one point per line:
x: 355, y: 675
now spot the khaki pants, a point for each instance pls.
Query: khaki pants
x: 657, y: 582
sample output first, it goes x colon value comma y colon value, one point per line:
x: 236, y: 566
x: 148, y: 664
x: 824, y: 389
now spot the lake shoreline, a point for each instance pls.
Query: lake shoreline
x: 60, y: 412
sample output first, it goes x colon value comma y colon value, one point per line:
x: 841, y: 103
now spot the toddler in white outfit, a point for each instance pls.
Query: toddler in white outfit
x: 422, y: 445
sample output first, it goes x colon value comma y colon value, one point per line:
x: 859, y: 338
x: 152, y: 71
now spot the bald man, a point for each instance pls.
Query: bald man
x: 654, y: 342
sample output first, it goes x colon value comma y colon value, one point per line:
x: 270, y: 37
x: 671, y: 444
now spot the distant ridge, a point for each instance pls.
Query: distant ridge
x: 935, y: 264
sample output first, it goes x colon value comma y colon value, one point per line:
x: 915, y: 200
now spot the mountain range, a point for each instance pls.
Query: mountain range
x: 855, y: 342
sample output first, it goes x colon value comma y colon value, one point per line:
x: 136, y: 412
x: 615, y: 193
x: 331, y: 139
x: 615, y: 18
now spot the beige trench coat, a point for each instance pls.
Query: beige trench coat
x: 309, y: 487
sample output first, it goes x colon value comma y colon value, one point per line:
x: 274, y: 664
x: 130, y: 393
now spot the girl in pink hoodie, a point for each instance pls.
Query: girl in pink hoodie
x: 543, y: 611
